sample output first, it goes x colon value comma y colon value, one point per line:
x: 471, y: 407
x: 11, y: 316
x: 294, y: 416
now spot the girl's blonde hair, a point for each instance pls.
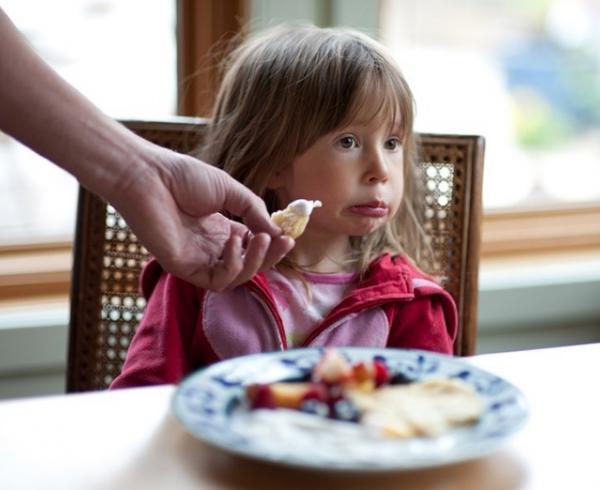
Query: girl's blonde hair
x: 284, y: 88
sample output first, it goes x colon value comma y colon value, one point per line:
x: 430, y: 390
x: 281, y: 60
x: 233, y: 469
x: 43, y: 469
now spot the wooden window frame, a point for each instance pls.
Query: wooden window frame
x: 204, y: 30
x: 35, y: 270
x: 561, y: 229
x: 44, y: 269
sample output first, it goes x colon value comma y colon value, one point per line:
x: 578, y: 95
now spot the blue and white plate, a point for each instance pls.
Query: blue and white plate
x: 211, y: 405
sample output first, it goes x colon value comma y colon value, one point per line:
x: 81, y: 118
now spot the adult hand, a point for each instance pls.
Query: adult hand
x: 173, y: 207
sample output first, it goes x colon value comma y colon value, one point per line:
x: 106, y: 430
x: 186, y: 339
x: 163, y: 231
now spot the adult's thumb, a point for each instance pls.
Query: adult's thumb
x: 242, y: 202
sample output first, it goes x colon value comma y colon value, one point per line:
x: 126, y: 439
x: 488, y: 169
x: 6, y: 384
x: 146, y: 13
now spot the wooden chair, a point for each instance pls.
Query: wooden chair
x: 106, y: 305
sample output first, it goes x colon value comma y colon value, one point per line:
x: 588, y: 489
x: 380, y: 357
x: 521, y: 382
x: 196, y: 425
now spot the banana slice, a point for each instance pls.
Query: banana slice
x: 293, y: 219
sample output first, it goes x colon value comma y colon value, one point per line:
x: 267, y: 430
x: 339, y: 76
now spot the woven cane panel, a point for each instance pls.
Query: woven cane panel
x: 443, y: 214
x: 121, y: 302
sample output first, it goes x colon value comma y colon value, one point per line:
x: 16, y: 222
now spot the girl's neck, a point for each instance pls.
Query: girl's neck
x: 322, y: 255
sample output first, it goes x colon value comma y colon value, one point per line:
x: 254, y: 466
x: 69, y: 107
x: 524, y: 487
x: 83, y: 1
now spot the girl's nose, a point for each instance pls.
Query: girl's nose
x: 377, y: 170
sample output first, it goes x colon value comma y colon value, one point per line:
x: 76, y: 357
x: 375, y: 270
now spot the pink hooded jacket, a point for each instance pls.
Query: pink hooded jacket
x: 185, y: 328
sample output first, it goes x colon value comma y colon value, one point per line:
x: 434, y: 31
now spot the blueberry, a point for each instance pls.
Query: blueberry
x: 345, y: 410
x: 400, y: 379
x: 315, y: 407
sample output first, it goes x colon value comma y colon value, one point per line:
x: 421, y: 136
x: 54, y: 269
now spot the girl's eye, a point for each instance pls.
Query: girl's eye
x: 393, y: 144
x: 347, y: 142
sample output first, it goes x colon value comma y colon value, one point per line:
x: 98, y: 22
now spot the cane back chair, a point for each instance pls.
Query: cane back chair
x: 106, y: 304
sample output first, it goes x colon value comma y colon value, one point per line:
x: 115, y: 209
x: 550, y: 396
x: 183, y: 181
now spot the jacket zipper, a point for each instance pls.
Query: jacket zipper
x: 270, y: 307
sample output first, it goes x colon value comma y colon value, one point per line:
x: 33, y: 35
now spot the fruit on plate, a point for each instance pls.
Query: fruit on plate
x: 368, y: 393
x: 324, y: 393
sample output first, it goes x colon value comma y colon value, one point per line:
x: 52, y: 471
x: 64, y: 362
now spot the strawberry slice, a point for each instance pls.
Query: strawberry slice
x: 332, y: 368
x: 260, y: 396
x: 382, y: 373
x: 317, y: 391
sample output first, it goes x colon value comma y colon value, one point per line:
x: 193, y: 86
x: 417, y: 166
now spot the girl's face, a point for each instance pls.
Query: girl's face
x: 356, y: 172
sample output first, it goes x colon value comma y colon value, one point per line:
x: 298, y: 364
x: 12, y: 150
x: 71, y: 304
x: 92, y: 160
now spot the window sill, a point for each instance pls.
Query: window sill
x: 551, y: 290
x: 33, y: 335
x: 32, y: 270
x: 566, y: 229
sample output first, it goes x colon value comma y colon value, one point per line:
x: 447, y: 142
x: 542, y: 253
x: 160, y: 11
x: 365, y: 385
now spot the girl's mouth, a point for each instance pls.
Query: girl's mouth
x: 373, y: 209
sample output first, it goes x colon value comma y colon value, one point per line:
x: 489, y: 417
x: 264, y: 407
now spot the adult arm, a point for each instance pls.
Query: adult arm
x: 170, y: 201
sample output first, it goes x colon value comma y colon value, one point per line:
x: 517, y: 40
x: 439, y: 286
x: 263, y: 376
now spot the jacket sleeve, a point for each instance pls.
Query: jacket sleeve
x: 427, y: 322
x: 161, y: 349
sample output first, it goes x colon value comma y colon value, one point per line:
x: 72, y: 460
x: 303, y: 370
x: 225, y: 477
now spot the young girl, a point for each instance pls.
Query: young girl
x: 319, y: 114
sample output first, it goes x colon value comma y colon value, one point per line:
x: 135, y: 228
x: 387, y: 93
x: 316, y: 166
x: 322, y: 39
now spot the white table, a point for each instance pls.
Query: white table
x: 128, y: 439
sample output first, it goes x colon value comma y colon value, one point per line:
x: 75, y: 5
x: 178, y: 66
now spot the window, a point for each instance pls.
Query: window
x: 120, y: 54
x: 524, y: 74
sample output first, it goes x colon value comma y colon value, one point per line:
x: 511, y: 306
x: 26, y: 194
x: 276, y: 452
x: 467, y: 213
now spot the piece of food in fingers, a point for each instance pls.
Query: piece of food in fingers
x: 294, y: 218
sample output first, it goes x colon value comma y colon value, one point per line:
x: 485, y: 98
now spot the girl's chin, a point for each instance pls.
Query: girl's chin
x: 354, y: 228
x: 365, y: 230
x: 367, y: 226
